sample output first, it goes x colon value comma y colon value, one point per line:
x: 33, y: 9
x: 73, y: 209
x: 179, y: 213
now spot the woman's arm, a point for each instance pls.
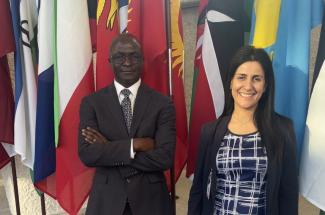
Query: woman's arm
x: 288, y: 191
x: 197, y: 191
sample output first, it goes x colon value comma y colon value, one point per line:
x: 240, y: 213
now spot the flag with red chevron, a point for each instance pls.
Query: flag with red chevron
x: 220, y: 33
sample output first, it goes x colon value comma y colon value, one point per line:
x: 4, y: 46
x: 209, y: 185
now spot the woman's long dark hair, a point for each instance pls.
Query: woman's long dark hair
x: 264, y: 113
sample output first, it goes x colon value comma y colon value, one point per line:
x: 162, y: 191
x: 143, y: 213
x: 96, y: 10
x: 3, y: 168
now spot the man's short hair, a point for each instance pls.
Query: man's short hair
x: 125, y: 38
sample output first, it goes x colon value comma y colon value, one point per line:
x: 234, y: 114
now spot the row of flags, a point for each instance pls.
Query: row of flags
x: 54, y: 70
x: 54, y: 43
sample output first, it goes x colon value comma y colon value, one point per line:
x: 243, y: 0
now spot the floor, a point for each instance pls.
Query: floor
x: 182, y: 191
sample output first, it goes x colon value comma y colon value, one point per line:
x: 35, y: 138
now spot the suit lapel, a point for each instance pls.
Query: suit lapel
x: 115, y: 108
x: 140, y: 106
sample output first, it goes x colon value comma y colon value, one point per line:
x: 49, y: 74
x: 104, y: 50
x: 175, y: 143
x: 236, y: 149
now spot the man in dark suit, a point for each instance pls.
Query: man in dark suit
x: 127, y: 131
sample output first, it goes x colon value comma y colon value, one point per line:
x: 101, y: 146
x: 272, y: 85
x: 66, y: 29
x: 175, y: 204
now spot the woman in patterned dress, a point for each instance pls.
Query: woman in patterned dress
x: 246, y: 163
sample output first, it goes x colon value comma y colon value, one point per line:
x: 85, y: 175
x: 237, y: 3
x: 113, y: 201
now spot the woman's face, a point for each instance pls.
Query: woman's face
x: 247, y: 85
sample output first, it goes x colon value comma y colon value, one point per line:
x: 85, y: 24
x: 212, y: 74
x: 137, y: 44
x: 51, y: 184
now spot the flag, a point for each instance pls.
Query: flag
x: 107, y: 29
x: 7, y: 43
x: 24, y: 15
x: 92, y: 9
x: 44, y: 162
x: 312, y: 168
x: 141, y: 16
x: 123, y: 6
x: 178, y: 87
x: 220, y: 33
x: 283, y: 29
x: 144, y: 15
x: 73, y: 79
x: 6, y: 110
x: 6, y: 97
x: 4, y: 158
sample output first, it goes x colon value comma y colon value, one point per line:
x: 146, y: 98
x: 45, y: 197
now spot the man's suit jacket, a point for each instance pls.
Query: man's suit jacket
x: 118, y: 178
x: 282, y: 180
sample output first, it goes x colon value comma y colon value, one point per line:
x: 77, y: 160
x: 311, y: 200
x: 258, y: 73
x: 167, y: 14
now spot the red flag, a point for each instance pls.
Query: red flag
x: 178, y: 87
x: 146, y: 20
x: 6, y: 110
x: 107, y: 29
x: 6, y: 96
x: 4, y: 158
x: 7, y: 43
x: 143, y: 15
x: 92, y: 9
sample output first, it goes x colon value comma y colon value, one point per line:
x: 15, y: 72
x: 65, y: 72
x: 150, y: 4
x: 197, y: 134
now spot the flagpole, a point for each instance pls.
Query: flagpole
x: 14, y: 180
x: 43, y: 204
x: 169, y: 46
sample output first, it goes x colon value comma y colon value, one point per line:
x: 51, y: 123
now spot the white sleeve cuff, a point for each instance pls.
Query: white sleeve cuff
x: 132, y: 153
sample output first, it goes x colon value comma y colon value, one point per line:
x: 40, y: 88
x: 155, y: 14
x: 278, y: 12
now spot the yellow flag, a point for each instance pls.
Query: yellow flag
x: 267, y: 14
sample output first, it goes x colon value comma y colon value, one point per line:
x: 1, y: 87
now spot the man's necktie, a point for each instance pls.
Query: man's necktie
x: 126, y: 107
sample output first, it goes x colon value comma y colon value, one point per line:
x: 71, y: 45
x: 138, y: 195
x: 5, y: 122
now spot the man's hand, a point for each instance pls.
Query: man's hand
x: 143, y: 144
x: 92, y: 136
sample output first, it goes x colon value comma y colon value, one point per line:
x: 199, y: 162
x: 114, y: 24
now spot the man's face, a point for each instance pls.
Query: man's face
x: 127, y: 60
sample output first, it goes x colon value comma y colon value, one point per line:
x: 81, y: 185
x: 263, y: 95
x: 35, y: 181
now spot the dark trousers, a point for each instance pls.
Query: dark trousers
x: 127, y: 210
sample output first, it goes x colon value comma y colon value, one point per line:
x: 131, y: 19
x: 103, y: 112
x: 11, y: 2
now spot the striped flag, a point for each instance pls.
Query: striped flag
x: 24, y: 14
x: 73, y: 79
x: 44, y: 164
x: 283, y: 29
x: 312, y: 168
x: 220, y: 33
x: 6, y: 97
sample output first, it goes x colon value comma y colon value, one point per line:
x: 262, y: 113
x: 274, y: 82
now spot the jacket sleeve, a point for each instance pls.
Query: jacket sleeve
x: 114, y: 153
x: 288, y: 192
x: 197, y: 191
x: 162, y: 156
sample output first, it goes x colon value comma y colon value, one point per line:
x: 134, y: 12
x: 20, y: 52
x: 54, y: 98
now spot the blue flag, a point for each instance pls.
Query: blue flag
x: 288, y: 45
x: 44, y: 163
